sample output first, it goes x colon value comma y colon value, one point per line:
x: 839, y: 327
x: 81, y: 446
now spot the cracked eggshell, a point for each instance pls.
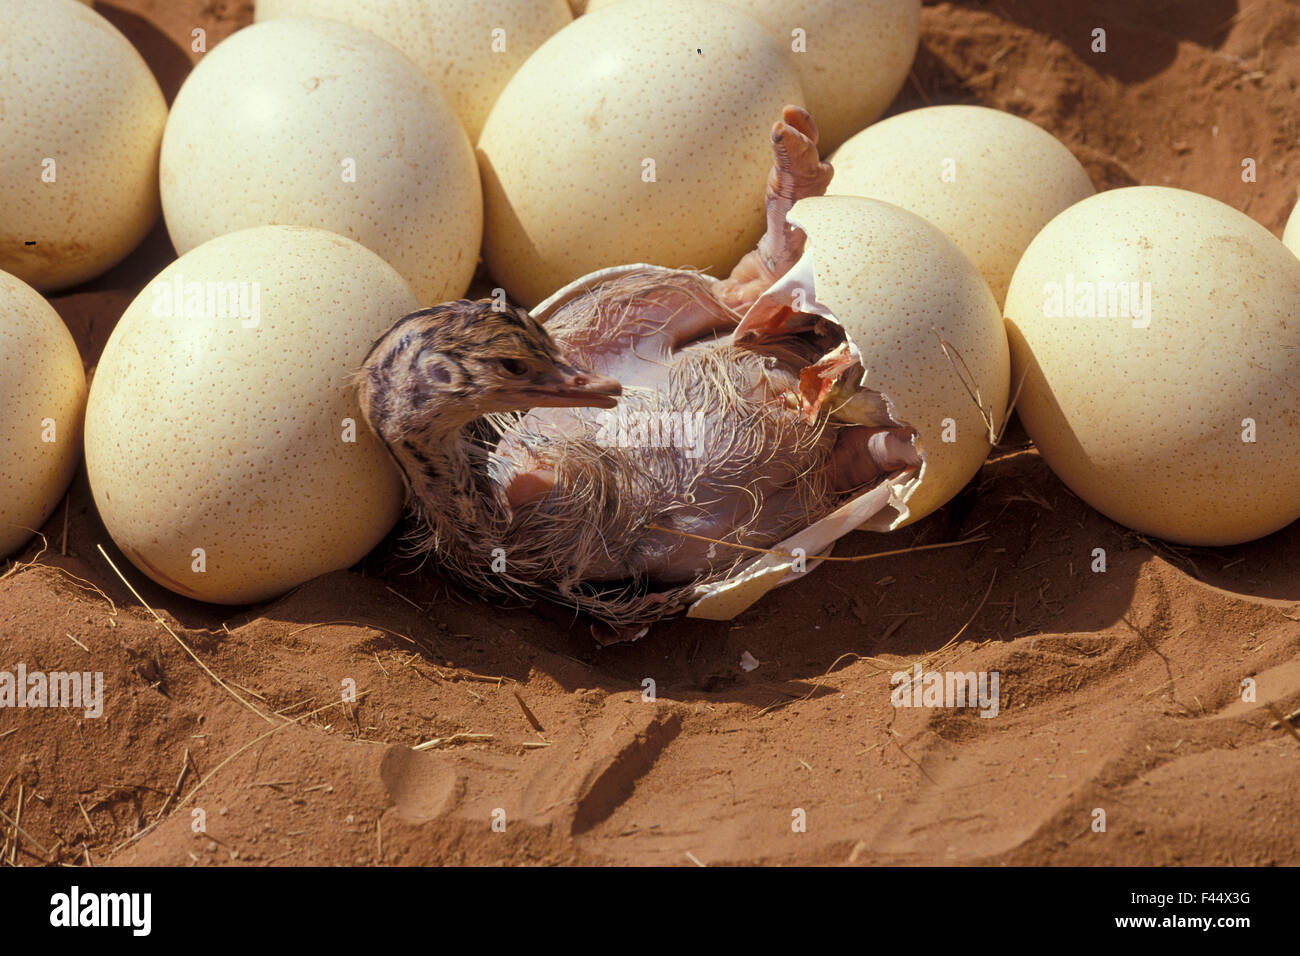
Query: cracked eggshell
x: 454, y: 42
x: 81, y: 117
x: 1143, y: 413
x: 852, y: 56
x: 897, y: 284
x: 688, y: 85
x: 42, y: 399
x: 246, y: 440
x: 881, y: 508
x: 311, y: 122
x: 988, y: 179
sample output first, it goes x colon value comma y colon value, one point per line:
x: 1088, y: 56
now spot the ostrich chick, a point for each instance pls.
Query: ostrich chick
x: 535, y: 456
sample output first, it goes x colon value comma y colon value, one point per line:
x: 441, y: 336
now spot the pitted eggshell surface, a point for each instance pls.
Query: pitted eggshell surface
x: 852, y: 55
x: 1291, y: 237
x: 468, y: 49
x: 202, y: 432
x: 81, y: 117
x: 691, y: 86
x: 898, y: 285
x: 1146, y: 423
x: 988, y: 179
x: 42, y: 395
x: 272, y: 123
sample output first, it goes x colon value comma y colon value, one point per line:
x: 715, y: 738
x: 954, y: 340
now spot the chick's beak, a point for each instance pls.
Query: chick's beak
x: 565, y: 386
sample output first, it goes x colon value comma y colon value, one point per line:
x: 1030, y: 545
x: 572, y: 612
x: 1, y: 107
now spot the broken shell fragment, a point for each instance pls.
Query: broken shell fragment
x: 921, y: 322
x: 922, y: 348
x: 882, y: 507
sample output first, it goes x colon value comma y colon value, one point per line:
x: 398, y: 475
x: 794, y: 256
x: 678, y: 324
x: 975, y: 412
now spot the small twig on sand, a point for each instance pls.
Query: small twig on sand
x: 30, y: 839
x: 185, y: 765
x: 851, y: 557
x: 1284, y: 722
x: 82, y: 808
x: 528, y: 714
x: 453, y: 739
x: 252, y: 743
x: 158, y: 617
x: 373, y: 627
x: 1287, y: 719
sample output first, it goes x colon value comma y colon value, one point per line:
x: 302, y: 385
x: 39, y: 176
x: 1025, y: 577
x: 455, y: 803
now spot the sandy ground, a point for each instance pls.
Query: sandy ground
x: 1119, y: 691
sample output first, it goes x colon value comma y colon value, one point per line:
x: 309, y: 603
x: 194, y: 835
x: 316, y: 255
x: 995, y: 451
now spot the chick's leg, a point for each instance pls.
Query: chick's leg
x: 630, y: 327
x: 797, y: 173
x: 646, y: 317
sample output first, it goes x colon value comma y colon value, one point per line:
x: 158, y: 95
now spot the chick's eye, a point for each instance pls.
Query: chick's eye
x: 514, y: 366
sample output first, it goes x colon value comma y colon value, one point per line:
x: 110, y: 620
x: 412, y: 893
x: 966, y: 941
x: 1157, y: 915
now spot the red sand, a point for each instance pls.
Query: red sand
x: 1119, y: 691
